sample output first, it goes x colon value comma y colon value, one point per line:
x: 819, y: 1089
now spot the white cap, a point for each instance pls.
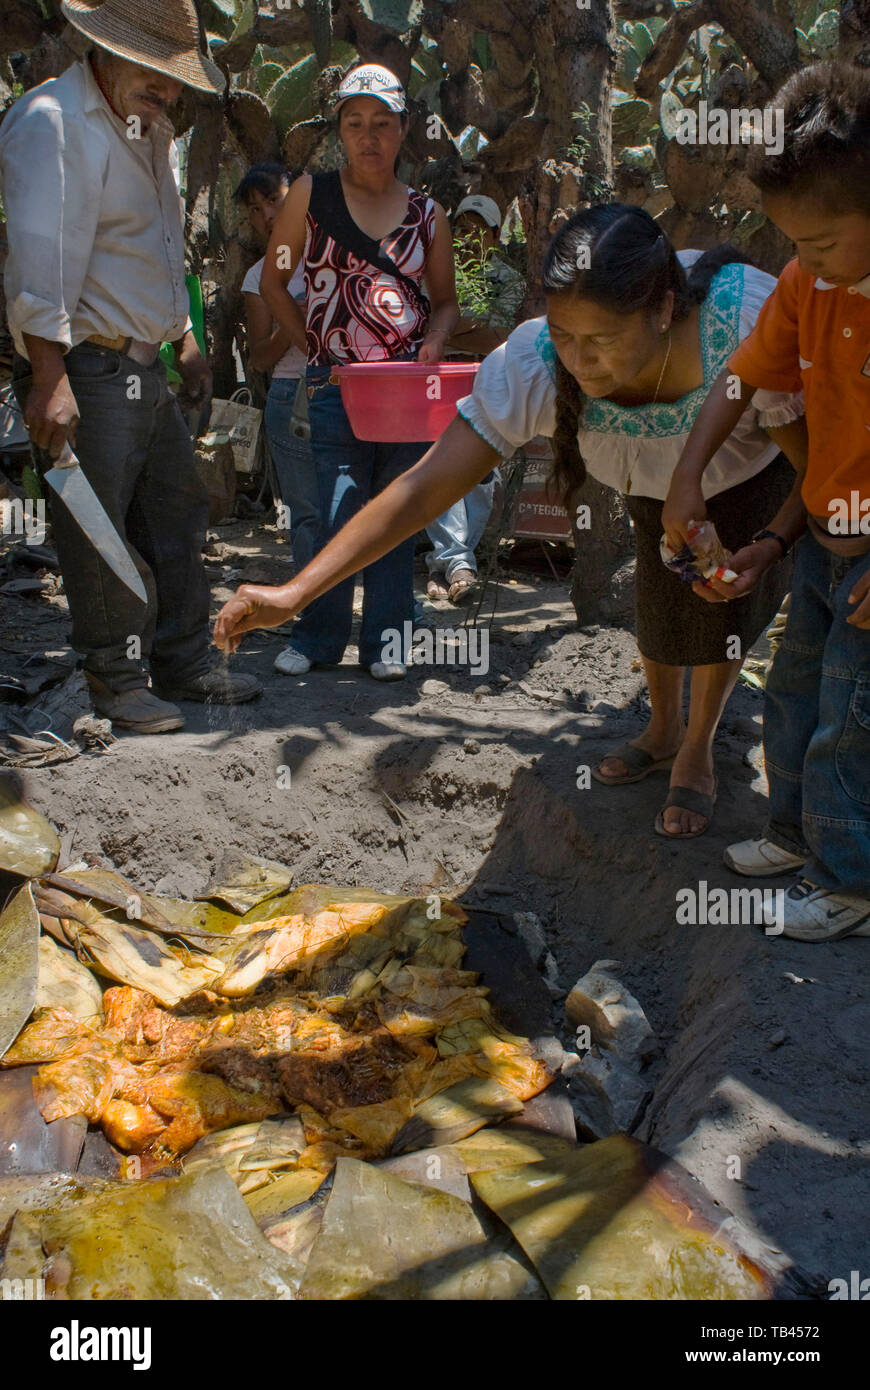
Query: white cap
x: 371, y: 80
x: 486, y: 208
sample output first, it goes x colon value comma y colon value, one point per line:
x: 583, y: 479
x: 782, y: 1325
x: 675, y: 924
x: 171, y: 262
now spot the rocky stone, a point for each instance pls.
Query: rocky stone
x: 433, y: 687
x: 614, y: 1017
x: 471, y: 745
x: 550, y: 972
x: 530, y: 930
x: 607, y: 1095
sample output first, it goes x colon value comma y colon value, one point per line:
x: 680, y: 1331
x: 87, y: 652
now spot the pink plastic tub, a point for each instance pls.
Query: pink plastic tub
x: 403, y: 402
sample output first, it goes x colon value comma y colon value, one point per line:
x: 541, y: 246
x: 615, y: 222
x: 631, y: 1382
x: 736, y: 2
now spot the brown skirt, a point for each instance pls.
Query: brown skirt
x: 674, y: 626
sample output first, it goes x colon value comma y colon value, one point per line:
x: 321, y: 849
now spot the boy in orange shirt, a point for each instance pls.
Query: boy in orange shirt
x: 812, y: 334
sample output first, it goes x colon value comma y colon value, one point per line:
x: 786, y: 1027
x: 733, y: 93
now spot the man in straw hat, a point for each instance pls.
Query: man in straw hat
x: 94, y: 283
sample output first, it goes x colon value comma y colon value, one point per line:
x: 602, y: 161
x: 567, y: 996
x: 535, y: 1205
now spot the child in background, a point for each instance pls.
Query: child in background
x: 813, y: 332
x: 262, y: 192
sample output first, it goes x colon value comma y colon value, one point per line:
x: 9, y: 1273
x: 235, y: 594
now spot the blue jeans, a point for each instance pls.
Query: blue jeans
x: 457, y: 531
x: 295, y: 469
x: 350, y: 472
x: 138, y: 457
x: 817, y: 724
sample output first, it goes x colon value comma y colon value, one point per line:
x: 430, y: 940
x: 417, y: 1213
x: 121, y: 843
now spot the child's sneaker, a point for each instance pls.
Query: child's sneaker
x: 811, y: 913
x: 388, y: 670
x: 761, y: 859
x: 292, y: 663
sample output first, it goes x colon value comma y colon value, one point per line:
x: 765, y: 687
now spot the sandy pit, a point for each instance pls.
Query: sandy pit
x: 469, y: 788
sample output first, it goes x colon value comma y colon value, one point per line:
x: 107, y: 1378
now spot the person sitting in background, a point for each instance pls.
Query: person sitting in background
x: 477, y: 222
x: 271, y: 349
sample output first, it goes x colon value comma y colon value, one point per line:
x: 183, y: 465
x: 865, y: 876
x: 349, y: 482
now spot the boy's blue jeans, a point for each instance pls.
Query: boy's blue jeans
x: 817, y: 724
x: 294, y: 468
x: 350, y: 472
x: 456, y: 533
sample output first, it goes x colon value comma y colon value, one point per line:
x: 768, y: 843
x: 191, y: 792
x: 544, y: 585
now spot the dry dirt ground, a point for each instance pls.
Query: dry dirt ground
x: 472, y: 791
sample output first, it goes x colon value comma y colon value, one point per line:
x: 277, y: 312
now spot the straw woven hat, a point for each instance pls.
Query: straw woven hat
x: 159, y: 34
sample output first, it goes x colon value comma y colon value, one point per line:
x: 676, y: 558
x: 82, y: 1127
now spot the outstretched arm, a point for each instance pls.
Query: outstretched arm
x: 446, y: 472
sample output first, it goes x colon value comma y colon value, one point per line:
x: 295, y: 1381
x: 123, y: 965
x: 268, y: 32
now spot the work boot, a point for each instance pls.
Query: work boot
x: 138, y: 709
x: 215, y: 688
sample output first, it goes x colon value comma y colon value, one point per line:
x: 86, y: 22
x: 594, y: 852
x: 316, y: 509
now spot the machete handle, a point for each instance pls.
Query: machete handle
x: 66, y: 457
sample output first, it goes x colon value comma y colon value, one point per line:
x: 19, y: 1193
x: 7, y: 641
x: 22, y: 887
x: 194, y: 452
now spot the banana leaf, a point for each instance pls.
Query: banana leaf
x: 508, y: 1147
x: 384, y: 1238
x: 64, y: 981
x: 243, y: 881
x: 29, y: 1145
x: 286, y: 1192
x: 190, y: 1237
x: 170, y: 916
x: 139, y: 958
x: 28, y: 843
x: 264, y: 1147
x: 19, y: 964
x: 617, y: 1220
x: 455, y: 1113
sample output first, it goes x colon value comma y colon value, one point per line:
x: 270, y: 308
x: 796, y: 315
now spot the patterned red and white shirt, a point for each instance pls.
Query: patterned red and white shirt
x: 357, y: 312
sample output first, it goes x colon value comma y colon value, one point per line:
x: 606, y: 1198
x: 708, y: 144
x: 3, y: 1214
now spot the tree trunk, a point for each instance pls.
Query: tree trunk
x: 855, y: 32
x: 602, y: 580
x: 572, y: 54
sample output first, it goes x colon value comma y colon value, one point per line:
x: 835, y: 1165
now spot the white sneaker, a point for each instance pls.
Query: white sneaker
x: 812, y: 913
x: 388, y: 670
x: 761, y: 859
x: 292, y: 663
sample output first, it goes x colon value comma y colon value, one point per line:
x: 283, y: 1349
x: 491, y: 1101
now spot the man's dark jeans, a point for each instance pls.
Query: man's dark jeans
x: 136, y: 452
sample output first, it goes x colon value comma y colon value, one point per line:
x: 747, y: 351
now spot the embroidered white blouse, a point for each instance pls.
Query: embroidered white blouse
x: 636, y: 448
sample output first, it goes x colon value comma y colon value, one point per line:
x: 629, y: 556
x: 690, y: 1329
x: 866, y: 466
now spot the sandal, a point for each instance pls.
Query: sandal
x: 687, y: 799
x: 462, y: 581
x: 436, y: 588
x: 639, y: 763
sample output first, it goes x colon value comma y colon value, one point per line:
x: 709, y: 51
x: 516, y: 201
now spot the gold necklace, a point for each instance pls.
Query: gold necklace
x: 664, y: 367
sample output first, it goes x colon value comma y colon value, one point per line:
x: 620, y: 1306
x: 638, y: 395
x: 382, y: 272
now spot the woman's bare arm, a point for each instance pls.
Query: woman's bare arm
x: 266, y: 344
x: 446, y: 472
x: 283, y: 254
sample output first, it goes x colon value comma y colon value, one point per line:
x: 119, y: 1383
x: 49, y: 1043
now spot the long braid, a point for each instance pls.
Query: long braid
x: 569, y: 470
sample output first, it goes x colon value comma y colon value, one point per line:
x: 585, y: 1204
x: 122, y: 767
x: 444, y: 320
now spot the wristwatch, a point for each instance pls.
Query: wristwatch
x: 774, y: 535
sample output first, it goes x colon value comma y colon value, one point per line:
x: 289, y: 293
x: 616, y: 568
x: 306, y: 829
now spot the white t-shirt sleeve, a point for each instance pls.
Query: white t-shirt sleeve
x: 774, y: 408
x: 514, y: 395
x: 251, y: 282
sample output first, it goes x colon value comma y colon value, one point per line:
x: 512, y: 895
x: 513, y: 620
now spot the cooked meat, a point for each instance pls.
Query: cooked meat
x: 196, y: 1104
x: 361, y: 1070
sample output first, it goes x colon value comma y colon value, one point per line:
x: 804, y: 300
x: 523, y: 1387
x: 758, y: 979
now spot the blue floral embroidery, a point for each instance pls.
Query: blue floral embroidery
x: 719, y: 324
x: 545, y: 350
